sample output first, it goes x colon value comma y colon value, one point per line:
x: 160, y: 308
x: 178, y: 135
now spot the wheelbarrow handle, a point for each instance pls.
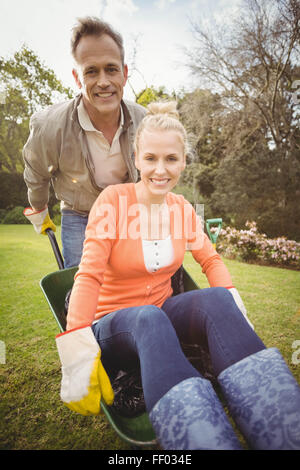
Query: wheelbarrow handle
x: 214, y: 236
x: 55, y: 248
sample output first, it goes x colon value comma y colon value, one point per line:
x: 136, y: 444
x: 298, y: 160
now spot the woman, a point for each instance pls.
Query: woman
x: 122, y: 307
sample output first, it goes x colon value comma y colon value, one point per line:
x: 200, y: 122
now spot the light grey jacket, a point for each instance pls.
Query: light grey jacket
x: 57, y: 151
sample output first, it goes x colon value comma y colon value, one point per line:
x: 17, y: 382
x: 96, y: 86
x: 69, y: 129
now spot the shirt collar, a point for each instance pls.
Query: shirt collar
x: 86, y: 123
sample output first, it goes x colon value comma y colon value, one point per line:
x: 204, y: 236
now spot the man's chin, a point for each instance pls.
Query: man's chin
x: 106, y: 108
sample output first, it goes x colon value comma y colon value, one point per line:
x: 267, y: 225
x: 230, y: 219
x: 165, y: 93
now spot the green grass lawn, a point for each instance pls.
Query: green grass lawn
x: 31, y: 413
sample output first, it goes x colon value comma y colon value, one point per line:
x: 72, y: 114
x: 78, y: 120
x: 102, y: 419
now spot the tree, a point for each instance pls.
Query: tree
x: 253, y: 66
x: 27, y: 85
x: 255, y: 60
x: 201, y: 113
x: 150, y: 94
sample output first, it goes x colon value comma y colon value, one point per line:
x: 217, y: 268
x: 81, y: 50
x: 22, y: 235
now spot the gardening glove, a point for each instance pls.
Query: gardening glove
x: 39, y: 219
x: 240, y: 304
x: 84, y: 379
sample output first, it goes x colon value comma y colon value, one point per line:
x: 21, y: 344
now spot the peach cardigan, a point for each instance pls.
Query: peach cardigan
x: 112, y: 273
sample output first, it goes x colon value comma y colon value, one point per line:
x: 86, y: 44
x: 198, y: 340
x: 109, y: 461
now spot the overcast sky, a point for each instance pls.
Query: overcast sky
x: 160, y: 28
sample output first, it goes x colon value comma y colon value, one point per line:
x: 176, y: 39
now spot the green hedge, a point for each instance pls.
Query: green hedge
x: 13, y: 193
x: 15, y: 216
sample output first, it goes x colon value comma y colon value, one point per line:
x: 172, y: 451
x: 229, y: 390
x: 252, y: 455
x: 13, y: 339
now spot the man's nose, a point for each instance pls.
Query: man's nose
x: 103, y: 81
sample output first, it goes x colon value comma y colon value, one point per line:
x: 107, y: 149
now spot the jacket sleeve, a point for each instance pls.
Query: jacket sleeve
x: 204, y: 253
x: 99, y: 239
x: 40, y: 161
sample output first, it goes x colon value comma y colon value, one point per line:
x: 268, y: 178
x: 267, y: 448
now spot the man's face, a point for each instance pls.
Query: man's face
x: 100, y: 75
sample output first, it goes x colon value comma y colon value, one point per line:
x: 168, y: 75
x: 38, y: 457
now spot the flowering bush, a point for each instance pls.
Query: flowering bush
x: 250, y: 245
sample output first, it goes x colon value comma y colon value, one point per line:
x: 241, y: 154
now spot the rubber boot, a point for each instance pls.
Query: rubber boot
x: 190, y: 416
x: 264, y: 400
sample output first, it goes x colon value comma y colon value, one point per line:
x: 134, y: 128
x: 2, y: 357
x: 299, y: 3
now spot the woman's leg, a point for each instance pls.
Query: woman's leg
x: 144, y: 335
x: 261, y: 392
x: 183, y: 407
x: 211, y: 316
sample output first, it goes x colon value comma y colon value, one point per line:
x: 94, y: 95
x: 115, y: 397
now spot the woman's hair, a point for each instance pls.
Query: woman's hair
x: 162, y: 115
x: 93, y: 26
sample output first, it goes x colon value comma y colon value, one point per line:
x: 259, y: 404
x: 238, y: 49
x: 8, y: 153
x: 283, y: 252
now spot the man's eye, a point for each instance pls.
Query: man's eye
x: 112, y: 69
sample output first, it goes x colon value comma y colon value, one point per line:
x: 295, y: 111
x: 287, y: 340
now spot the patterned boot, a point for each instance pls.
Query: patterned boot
x: 190, y: 416
x: 264, y: 400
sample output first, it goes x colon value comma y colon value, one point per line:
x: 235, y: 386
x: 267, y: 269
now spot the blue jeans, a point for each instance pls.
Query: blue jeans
x: 150, y: 337
x: 72, y: 236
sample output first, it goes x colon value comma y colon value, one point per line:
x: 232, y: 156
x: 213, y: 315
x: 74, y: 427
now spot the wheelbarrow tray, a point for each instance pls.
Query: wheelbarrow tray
x: 137, y: 431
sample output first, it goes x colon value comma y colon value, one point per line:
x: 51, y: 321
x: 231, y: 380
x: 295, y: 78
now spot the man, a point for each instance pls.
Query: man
x: 85, y: 144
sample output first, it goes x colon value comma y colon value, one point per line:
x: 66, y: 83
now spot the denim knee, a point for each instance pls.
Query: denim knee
x: 150, y: 319
x: 219, y: 302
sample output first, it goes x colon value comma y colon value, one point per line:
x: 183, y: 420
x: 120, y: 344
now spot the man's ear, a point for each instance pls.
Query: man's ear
x: 136, y: 161
x: 77, y: 80
x: 125, y: 73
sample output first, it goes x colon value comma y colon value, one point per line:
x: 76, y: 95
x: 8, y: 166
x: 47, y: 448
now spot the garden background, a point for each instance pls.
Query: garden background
x: 243, y: 165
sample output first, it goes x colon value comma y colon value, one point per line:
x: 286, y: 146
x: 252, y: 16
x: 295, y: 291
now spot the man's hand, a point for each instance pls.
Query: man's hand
x: 39, y: 219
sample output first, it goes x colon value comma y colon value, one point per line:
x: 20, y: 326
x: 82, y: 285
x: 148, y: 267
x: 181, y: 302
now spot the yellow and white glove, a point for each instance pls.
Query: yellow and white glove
x: 240, y: 304
x: 84, y: 380
x: 39, y: 219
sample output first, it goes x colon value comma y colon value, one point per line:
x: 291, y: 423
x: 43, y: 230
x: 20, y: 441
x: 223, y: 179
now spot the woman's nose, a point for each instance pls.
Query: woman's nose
x: 160, y: 167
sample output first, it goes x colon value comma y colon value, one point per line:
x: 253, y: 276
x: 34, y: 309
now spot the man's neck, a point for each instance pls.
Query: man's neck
x: 108, y: 123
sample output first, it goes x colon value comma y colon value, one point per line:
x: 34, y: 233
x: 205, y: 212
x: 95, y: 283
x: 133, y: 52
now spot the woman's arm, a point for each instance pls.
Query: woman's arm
x: 96, y: 252
x: 212, y: 265
x: 203, y: 251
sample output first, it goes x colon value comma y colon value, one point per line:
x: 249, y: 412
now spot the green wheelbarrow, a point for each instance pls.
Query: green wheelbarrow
x: 137, y: 430
x: 213, y: 234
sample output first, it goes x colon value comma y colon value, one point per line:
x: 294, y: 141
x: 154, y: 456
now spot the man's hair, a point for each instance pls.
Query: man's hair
x: 93, y: 26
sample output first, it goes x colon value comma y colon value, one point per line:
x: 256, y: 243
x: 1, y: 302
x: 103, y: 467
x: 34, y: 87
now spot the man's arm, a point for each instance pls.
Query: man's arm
x: 37, y: 175
x: 39, y: 166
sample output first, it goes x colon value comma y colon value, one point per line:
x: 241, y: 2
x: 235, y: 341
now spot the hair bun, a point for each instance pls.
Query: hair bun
x: 159, y: 107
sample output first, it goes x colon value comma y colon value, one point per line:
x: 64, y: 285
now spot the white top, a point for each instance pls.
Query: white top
x: 110, y: 167
x: 158, y: 253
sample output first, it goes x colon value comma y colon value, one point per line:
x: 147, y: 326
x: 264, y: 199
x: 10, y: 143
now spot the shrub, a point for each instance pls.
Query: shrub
x: 15, y: 216
x: 3, y: 213
x: 250, y: 245
x: 55, y: 214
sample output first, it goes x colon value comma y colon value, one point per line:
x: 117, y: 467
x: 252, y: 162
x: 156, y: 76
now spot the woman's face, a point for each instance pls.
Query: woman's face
x: 160, y: 160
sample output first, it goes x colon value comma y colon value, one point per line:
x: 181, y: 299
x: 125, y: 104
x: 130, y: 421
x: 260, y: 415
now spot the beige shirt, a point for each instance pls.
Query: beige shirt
x: 110, y: 167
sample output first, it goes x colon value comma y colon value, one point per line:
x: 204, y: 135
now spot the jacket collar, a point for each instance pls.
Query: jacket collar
x: 126, y: 114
